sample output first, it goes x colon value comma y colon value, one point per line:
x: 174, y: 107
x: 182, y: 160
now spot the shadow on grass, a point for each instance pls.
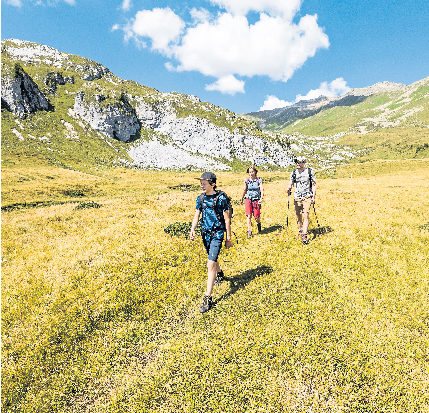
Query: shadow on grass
x: 241, y: 280
x: 317, y: 232
x: 271, y: 229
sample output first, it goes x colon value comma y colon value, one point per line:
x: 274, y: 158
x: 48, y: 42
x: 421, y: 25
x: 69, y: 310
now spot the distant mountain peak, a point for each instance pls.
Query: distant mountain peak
x: 379, y: 87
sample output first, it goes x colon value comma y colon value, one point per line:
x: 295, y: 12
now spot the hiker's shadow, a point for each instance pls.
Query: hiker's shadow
x: 241, y: 280
x: 317, y: 232
x: 271, y: 229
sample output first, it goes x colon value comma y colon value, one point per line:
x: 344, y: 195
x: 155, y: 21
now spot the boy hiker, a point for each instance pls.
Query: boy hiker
x: 214, y: 222
x: 304, y: 180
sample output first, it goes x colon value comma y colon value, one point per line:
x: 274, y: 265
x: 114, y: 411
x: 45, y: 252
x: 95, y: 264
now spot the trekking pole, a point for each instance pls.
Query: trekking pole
x: 287, y: 216
x: 314, y: 208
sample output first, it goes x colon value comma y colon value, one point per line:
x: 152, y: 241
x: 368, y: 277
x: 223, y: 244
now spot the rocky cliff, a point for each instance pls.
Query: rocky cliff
x: 21, y: 95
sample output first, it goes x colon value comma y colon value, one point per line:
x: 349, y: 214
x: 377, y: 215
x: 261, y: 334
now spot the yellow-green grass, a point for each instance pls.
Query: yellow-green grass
x: 389, y: 143
x: 100, y: 305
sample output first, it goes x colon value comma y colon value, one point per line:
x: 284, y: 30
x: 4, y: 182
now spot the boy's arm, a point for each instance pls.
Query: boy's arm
x: 194, y: 224
x: 228, y: 228
x: 261, y: 187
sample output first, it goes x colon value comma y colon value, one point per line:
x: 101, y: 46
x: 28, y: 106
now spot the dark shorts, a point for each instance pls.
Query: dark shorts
x: 252, y: 207
x: 213, y: 247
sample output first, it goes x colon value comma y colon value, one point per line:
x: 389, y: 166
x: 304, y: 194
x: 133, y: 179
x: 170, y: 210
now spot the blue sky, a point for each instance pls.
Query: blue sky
x: 242, y: 55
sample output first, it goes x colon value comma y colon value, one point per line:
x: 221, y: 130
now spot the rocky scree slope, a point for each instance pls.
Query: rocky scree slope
x: 57, y: 102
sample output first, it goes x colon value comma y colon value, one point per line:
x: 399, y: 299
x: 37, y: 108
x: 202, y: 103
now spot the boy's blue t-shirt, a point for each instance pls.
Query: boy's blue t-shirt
x: 209, y: 220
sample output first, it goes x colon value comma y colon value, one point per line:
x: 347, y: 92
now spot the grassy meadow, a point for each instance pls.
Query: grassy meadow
x: 100, y: 304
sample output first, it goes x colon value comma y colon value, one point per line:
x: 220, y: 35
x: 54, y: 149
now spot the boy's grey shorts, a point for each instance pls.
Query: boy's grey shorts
x: 213, y: 247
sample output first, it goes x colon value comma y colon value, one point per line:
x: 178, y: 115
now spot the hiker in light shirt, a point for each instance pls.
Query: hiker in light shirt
x: 304, y: 180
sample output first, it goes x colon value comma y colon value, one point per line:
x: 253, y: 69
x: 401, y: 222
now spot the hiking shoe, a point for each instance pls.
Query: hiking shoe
x: 259, y: 228
x: 207, y: 304
x: 300, y: 234
x: 249, y: 234
x: 219, y: 278
x: 304, y: 239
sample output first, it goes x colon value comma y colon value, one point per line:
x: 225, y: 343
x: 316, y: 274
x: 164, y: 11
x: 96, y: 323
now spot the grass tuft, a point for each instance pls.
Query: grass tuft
x: 180, y: 229
x: 88, y: 204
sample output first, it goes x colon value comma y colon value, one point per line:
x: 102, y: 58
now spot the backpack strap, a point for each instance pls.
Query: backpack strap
x: 215, y: 204
x: 311, y: 180
x: 200, y: 202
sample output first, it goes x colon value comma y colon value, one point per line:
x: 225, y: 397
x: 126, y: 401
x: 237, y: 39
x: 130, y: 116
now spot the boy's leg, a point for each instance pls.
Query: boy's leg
x: 211, y: 275
x: 213, y: 266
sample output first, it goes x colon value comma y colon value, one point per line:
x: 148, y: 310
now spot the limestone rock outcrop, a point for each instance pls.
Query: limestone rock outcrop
x: 117, y: 120
x: 21, y: 95
x: 199, y: 136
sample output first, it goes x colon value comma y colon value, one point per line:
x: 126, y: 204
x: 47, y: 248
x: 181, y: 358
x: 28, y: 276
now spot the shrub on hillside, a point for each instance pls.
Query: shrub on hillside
x: 179, y: 229
x: 89, y: 204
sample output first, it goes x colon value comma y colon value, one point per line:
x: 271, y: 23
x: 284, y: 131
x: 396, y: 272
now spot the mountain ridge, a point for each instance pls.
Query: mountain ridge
x: 280, y: 119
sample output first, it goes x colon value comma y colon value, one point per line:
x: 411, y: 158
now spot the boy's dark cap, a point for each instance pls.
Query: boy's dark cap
x: 210, y: 176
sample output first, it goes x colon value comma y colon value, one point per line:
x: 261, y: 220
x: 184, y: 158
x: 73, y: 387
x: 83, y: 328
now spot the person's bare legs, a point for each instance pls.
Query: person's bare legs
x: 249, y: 222
x: 299, y: 221
x: 213, y: 268
x: 306, y: 222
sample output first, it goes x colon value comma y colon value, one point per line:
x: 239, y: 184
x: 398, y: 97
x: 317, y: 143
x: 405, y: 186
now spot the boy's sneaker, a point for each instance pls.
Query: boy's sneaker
x: 259, y: 228
x: 249, y: 234
x: 207, y: 304
x: 304, y: 239
x: 219, y: 278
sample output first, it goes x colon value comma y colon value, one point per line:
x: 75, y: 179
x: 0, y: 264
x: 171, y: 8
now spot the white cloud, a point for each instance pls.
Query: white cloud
x: 273, y: 102
x: 162, y: 26
x: 226, y: 44
x: 229, y: 45
x: 126, y: 5
x: 286, y: 8
x: 227, y: 84
x: 16, y: 3
x: 200, y: 15
x: 337, y: 87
